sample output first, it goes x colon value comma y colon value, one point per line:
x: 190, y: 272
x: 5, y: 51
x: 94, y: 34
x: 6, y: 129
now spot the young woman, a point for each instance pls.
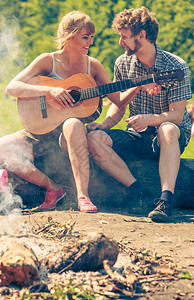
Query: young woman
x: 19, y: 150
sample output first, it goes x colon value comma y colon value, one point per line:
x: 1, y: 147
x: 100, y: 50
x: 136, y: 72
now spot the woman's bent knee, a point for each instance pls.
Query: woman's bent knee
x: 72, y: 126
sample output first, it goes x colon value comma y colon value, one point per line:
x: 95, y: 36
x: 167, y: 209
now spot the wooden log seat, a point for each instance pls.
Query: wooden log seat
x: 104, y: 190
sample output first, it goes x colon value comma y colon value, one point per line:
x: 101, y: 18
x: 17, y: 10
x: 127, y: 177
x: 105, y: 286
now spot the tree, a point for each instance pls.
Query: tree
x: 37, y: 22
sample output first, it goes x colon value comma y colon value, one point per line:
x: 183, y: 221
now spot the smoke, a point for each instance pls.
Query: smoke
x: 12, y: 57
x: 12, y: 60
x: 10, y: 208
x: 15, y: 155
x: 9, y: 202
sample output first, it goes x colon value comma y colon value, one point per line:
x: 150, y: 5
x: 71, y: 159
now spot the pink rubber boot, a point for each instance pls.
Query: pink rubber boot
x: 3, y: 180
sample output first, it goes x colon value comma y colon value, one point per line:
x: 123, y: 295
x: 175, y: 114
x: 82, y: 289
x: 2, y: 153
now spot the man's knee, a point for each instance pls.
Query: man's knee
x: 168, y: 133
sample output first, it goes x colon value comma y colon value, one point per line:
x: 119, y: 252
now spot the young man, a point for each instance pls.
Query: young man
x: 159, y: 124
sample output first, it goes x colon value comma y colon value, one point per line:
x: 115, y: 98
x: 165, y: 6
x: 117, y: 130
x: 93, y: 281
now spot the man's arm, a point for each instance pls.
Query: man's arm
x: 174, y: 115
x: 114, y: 115
x: 116, y: 112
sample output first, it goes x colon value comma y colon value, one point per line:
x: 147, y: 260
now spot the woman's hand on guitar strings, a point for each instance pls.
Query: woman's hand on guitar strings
x: 61, y: 96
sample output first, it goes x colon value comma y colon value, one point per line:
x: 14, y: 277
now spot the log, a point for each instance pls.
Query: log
x: 147, y: 172
x: 87, y: 255
x: 104, y: 191
x: 18, y: 265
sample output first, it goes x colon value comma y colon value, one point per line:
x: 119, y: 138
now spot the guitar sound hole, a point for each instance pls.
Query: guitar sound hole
x: 76, y: 95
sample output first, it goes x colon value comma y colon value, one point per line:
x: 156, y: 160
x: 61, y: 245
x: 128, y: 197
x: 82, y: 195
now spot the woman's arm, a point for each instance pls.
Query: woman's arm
x: 42, y: 65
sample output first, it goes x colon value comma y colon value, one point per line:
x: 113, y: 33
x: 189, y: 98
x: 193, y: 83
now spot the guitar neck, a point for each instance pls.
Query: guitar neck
x: 113, y: 87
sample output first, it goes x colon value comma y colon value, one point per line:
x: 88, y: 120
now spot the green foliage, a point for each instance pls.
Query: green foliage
x: 28, y: 28
x: 176, y: 25
x: 184, y: 275
x: 69, y: 292
x: 189, y: 150
x: 38, y: 21
x: 12, y: 56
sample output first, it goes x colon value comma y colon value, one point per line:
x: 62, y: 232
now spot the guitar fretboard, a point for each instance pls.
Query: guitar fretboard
x: 113, y: 87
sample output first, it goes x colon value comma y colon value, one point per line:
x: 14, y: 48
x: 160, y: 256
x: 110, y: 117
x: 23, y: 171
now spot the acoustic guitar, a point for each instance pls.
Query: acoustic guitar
x: 39, y: 116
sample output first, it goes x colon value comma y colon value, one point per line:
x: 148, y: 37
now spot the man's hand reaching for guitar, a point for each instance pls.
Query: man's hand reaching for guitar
x: 151, y: 88
x: 59, y: 97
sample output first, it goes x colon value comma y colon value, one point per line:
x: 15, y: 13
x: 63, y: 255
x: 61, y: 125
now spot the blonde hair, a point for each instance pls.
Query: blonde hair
x: 71, y: 24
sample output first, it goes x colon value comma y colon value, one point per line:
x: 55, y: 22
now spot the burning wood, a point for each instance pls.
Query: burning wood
x: 85, y: 255
x: 18, y: 265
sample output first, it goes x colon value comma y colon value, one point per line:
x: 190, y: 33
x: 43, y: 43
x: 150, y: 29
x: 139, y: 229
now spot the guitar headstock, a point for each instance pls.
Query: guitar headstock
x: 169, y: 77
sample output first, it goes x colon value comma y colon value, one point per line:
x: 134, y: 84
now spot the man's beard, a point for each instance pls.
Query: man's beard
x: 129, y: 51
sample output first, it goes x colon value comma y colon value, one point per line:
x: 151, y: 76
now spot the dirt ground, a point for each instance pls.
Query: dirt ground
x: 174, y: 240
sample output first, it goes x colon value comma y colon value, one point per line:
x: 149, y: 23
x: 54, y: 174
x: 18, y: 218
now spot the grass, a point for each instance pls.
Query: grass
x: 10, y: 122
x: 9, y: 119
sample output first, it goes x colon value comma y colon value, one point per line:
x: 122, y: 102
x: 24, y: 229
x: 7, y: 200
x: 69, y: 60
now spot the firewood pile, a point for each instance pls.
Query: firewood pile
x: 85, y: 255
x: 80, y: 268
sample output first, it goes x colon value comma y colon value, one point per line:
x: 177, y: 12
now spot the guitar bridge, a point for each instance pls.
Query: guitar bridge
x: 43, y: 107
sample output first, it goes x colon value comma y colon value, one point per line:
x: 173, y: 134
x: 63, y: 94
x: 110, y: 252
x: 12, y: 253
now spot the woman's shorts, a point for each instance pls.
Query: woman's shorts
x: 45, y: 143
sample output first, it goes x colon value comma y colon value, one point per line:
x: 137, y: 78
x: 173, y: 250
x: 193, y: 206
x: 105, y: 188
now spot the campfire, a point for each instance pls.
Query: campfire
x: 50, y: 258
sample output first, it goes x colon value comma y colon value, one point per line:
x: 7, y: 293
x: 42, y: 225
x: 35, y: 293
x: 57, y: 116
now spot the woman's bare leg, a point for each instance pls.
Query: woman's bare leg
x: 100, y: 147
x: 16, y: 155
x: 75, y: 142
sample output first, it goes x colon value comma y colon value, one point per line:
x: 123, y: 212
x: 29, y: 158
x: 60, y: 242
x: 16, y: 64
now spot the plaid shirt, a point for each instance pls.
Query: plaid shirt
x: 129, y: 66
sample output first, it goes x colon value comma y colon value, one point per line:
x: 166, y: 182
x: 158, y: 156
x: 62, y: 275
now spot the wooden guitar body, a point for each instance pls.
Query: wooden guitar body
x: 29, y: 108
